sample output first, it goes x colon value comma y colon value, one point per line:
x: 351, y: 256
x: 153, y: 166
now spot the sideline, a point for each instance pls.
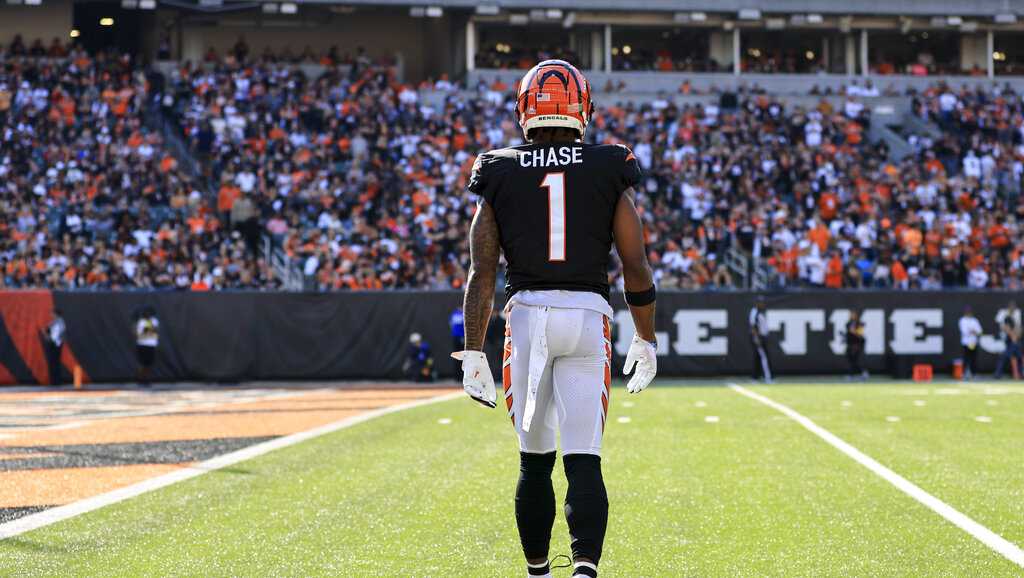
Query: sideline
x: 1007, y: 549
x: 60, y: 513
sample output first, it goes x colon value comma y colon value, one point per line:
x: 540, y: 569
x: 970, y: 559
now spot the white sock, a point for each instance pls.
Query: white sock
x: 587, y: 565
x: 533, y: 566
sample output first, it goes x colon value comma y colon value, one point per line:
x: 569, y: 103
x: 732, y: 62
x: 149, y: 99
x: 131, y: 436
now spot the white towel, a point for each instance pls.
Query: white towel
x: 538, y: 361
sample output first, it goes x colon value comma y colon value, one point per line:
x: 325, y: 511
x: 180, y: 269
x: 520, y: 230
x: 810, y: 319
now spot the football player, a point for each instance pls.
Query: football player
x: 554, y: 207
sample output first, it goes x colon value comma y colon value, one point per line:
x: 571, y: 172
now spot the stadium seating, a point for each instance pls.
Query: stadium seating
x: 91, y: 197
x: 360, y: 180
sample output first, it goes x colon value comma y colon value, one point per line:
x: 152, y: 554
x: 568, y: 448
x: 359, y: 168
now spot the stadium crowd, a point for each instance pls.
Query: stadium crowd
x: 361, y: 180
x: 89, y: 196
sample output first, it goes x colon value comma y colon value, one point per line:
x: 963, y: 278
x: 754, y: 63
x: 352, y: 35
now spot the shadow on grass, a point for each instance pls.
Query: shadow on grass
x: 26, y: 545
x: 235, y: 471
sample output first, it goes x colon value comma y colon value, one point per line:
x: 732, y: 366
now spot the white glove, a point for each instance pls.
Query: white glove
x: 644, y: 358
x: 476, y: 377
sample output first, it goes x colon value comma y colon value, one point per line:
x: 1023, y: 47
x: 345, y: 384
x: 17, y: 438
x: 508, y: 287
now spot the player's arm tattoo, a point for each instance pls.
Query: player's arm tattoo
x: 636, y: 272
x: 484, y: 249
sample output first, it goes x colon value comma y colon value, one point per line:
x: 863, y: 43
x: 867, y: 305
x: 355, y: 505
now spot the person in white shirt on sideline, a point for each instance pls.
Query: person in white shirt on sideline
x: 53, y: 338
x: 970, y: 333
x: 147, y: 337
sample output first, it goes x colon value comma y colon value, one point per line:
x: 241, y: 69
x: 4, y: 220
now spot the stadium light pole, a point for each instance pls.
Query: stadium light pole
x: 470, y: 45
x: 736, y: 51
x: 990, y: 48
x: 608, y: 48
x: 864, y: 52
x: 825, y: 55
x: 851, y: 55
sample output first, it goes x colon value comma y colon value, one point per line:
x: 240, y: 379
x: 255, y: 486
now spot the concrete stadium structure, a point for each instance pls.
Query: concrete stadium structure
x: 703, y: 41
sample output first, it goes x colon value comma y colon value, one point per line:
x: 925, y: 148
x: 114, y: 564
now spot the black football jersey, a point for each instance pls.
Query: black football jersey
x: 554, y: 204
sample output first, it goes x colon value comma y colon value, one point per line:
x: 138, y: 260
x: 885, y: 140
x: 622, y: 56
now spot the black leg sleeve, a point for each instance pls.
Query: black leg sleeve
x: 755, y: 367
x: 970, y: 358
x: 53, y: 361
x: 586, y: 506
x: 535, y: 503
x: 853, y: 356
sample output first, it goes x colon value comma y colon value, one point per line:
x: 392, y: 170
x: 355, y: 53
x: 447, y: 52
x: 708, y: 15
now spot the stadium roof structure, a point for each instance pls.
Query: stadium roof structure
x: 991, y: 8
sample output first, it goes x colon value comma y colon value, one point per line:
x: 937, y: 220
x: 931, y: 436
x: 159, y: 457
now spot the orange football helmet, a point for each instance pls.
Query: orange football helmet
x: 554, y: 93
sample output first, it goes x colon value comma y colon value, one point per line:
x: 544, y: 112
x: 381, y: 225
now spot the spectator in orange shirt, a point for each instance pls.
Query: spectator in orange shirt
x: 933, y: 242
x: 226, y: 197
x: 999, y: 237
x: 834, y: 272
x: 912, y: 240
x: 828, y: 205
x: 900, y: 278
x: 819, y: 235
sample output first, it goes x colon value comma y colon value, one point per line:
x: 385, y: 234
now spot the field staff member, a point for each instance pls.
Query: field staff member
x: 419, y: 360
x: 970, y: 332
x: 855, y: 346
x: 757, y: 321
x: 1009, y: 321
x: 147, y: 337
x: 53, y: 339
x: 554, y: 207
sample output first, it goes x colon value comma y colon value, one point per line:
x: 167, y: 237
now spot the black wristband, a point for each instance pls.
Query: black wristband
x: 640, y: 298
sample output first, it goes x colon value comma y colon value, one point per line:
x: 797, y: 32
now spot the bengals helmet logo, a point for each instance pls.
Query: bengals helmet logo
x: 554, y: 93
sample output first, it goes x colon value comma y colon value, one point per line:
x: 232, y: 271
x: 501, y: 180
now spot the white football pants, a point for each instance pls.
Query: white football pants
x: 556, y: 371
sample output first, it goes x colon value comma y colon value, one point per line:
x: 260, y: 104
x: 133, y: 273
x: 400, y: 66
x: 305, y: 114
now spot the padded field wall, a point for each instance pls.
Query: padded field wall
x: 295, y: 336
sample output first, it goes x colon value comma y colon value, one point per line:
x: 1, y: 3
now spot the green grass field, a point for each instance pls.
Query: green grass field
x: 749, y: 494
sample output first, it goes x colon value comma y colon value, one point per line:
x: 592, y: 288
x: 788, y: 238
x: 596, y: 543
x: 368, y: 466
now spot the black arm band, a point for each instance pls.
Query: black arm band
x: 640, y: 298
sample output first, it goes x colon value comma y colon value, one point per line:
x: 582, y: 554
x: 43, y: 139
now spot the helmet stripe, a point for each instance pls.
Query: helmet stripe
x: 579, y: 91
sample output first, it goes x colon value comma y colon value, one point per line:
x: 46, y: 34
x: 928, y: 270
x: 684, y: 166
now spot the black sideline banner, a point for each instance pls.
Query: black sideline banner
x: 264, y: 336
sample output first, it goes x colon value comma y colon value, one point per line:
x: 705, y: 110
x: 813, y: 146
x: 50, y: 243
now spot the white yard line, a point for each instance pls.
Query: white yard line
x: 53, y: 515
x: 1007, y: 549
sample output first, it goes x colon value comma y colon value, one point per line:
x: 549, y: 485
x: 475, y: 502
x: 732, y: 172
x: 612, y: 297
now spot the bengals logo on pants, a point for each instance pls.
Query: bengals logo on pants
x: 506, y: 369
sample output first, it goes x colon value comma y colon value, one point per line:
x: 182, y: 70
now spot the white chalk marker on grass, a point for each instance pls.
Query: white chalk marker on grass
x: 892, y: 418
x: 983, y: 419
x: 624, y: 419
x: 1001, y: 545
x: 846, y: 403
x: 919, y: 402
x: 711, y: 419
x: 991, y: 402
x: 700, y: 404
x: 628, y: 403
x: 445, y: 421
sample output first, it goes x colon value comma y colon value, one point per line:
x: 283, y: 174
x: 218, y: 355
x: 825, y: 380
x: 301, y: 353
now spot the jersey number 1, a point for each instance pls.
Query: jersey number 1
x: 555, y: 184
